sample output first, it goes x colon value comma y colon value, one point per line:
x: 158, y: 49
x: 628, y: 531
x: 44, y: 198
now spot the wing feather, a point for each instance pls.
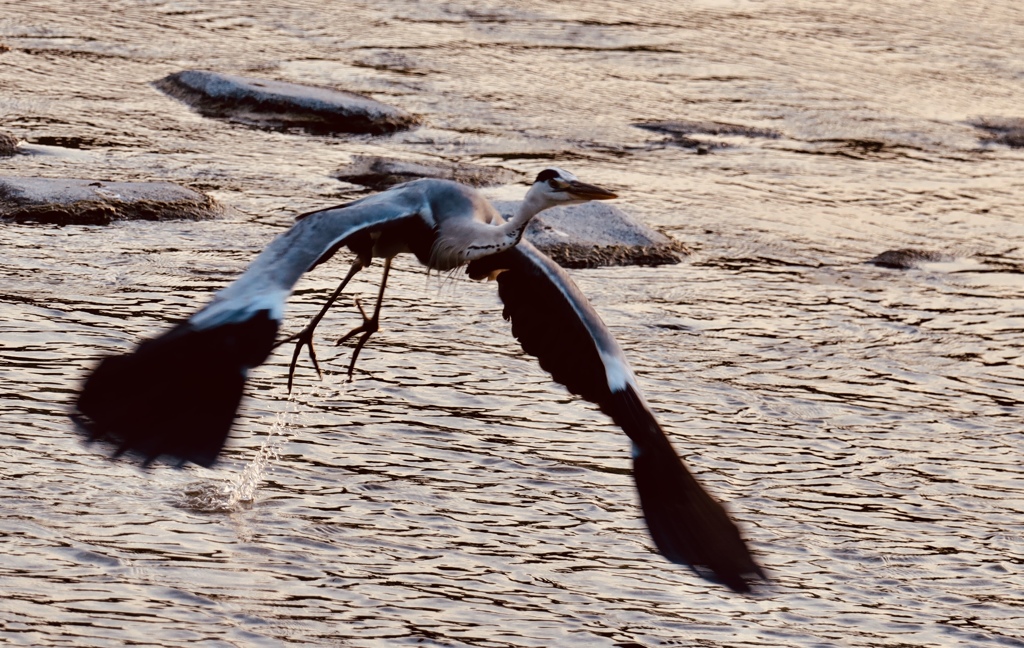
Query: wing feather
x: 310, y: 241
x: 553, y: 321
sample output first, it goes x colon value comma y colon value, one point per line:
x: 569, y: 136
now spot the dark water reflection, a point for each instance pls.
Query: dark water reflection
x: 864, y: 423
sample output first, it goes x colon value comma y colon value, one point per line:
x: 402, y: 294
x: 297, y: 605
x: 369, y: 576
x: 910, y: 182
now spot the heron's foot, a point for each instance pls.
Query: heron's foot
x: 369, y: 326
x: 303, y: 338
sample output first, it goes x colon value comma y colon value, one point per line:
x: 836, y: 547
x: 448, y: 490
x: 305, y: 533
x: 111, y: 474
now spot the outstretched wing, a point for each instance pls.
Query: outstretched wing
x: 177, y: 395
x: 553, y: 321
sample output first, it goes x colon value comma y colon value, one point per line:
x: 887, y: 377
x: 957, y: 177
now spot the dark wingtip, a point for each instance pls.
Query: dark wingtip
x: 175, y: 395
x: 84, y: 427
x: 741, y: 582
x: 688, y: 526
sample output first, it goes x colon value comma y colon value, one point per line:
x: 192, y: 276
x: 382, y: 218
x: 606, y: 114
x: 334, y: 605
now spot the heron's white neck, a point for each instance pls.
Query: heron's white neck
x: 532, y: 204
x: 469, y: 240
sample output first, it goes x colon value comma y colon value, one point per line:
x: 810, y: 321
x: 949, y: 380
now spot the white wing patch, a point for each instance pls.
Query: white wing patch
x: 618, y: 372
x: 234, y: 309
x: 616, y: 369
x: 269, y: 279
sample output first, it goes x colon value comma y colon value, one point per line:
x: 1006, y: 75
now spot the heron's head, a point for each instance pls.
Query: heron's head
x: 559, y: 187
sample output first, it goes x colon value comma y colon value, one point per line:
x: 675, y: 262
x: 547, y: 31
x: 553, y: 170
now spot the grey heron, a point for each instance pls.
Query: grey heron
x: 178, y: 393
x: 463, y: 232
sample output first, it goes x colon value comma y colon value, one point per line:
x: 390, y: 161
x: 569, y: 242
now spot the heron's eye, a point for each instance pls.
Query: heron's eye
x: 558, y: 184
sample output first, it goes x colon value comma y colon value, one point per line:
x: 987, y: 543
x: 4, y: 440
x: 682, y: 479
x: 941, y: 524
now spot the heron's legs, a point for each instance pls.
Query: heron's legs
x: 305, y: 336
x: 370, y: 325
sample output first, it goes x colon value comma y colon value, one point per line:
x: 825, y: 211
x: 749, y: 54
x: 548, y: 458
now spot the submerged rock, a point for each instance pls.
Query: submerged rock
x: 380, y: 173
x: 907, y: 258
x: 596, y: 234
x: 682, y: 130
x: 67, y: 201
x: 688, y: 127
x: 1003, y: 130
x: 277, y: 105
x: 8, y: 144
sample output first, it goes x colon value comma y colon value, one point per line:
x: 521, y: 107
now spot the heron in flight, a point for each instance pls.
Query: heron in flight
x: 178, y: 393
x: 444, y: 233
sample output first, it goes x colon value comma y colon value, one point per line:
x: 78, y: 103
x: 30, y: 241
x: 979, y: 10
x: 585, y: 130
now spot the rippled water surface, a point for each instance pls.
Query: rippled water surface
x: 864, y: 424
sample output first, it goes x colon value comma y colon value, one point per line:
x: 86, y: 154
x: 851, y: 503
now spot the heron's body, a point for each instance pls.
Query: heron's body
x: 178, y: 394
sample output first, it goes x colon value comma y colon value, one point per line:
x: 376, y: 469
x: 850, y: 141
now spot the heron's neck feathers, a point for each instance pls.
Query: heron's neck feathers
x: 468, y: 240
x: 532, y: 205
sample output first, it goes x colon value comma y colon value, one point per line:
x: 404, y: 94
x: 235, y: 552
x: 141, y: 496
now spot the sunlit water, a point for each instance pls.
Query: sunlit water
x: 864, y: 424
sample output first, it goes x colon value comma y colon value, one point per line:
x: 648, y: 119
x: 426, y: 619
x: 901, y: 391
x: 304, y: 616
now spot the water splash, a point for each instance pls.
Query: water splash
x: 240, y: 491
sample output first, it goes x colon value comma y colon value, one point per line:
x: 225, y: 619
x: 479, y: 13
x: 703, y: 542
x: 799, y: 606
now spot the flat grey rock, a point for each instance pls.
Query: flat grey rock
x: 67, y: 201
x: 907, y: 258
x: 276, y: 105
x: 380, y: 173
x: 596, y: 234
x: 683, y: 127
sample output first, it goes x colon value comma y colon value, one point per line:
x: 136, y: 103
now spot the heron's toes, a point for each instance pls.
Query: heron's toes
x: 303, y: 338
x: 369, y: 326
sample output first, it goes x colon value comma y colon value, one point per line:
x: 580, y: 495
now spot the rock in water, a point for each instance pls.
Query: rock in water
x: 907, y: 258
x: 596, y: 234
x: 276, y: 105
x: 8, y: 144
x: 68, y: 201
x: 683, y: 127
x: 380, y: 173
x: 1002, y: 130
x: 682, y: 132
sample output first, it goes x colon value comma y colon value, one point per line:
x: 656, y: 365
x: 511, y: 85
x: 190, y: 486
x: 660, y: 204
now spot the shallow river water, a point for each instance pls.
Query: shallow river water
x: 864, y: 424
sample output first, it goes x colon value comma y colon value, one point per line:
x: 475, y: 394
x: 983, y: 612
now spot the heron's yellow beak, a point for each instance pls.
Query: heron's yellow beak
x: 586, y: 191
